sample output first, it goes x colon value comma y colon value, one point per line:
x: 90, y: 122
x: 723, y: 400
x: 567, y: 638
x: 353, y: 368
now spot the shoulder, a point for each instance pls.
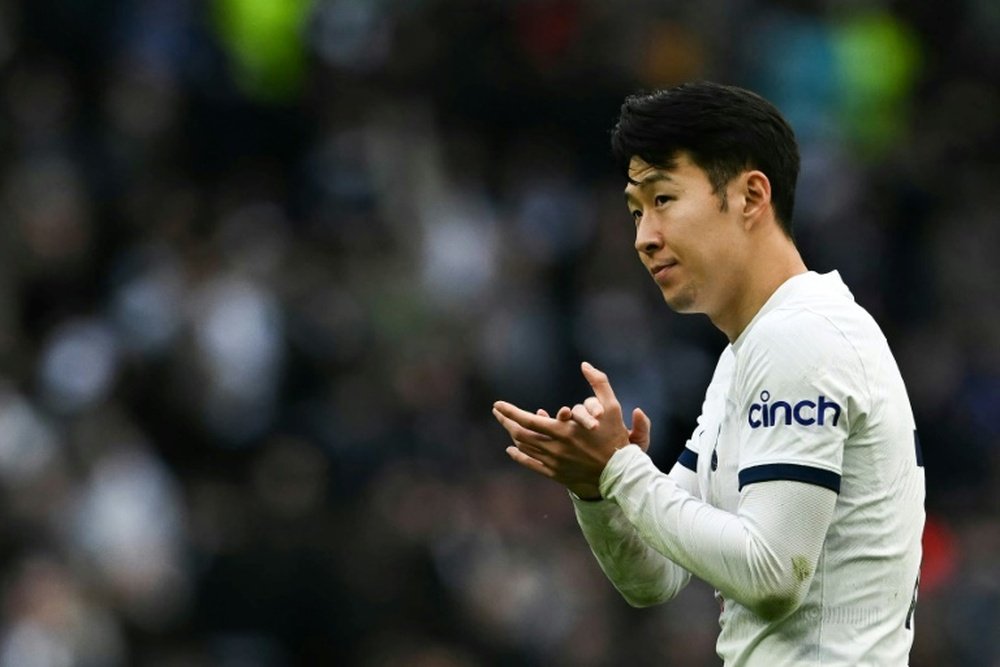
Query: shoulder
x: 817, y: 313
x: 807, y: 340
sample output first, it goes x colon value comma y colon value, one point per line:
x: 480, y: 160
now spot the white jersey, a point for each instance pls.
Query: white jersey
x: 808, y: 393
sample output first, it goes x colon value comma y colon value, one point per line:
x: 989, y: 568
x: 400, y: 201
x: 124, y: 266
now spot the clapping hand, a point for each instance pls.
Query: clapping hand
x: 573, y: 447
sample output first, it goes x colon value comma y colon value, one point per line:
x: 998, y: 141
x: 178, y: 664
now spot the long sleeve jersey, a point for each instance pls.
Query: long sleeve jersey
x: 799, y: 497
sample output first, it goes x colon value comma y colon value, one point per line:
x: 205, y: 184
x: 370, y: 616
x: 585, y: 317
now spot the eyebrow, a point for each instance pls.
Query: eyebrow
x: 655, y: 177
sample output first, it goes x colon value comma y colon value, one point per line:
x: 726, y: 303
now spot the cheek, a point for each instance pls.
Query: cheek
x: 710, y: 253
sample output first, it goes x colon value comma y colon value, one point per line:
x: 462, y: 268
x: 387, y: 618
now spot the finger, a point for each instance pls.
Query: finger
x: 531, y: 464
x: 641, y: 428
x: 518, y: 432
x: 533, y: 422
x: 584, y: 418
x: 541, y: 412
x: 539, y: 452
x: 599, y: 382
x: 594, y: 406
x: 564, y: 414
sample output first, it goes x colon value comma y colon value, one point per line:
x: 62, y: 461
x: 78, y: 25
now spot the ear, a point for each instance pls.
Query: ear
x: 757, y: 192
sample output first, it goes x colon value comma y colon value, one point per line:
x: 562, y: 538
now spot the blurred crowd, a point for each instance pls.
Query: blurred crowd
x: 265, y: 264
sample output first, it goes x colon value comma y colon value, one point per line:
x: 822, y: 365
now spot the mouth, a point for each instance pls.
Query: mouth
x: 661, y: 272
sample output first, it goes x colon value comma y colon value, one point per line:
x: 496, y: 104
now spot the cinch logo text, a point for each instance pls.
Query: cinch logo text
x: 807, y: 413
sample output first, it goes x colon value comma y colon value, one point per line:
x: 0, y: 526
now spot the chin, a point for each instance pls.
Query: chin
x: 681, y: 302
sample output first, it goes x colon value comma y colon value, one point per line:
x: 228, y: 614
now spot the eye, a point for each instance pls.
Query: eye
x: 636, y: 215
x: 660, y: 200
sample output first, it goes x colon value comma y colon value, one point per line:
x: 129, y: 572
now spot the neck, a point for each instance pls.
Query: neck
x: 766, y: 274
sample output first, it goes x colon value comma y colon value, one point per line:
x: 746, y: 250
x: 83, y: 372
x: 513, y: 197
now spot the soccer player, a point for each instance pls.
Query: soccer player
x: 800, y: 495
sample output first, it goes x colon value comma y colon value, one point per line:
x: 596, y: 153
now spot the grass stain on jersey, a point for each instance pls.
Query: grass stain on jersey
x: 801, y: 568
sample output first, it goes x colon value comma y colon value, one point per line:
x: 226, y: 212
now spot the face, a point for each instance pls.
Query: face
x: 693, y: 249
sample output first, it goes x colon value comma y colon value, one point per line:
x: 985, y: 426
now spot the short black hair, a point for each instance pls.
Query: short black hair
x: 723, y: 129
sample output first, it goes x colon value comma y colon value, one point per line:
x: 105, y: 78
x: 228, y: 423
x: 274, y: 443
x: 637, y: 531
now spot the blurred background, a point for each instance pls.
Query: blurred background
x: 265, y: 264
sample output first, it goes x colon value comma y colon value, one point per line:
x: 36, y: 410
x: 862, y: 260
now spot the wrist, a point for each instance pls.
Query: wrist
x: 613, y: 470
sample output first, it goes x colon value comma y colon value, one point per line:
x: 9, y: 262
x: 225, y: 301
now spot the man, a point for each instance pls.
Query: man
x: 799, y: 496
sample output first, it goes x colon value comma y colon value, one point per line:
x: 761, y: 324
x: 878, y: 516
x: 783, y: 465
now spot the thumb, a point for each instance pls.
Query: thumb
x: 641, y: 426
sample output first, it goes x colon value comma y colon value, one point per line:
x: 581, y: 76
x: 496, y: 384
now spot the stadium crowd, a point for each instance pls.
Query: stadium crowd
x: 267, y: 263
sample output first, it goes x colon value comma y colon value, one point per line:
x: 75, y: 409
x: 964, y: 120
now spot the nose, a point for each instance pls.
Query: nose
x: 648, y: 239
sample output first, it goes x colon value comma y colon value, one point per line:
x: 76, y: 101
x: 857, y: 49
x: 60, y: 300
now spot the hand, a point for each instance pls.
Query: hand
x: 583, y: 490
x: 585, y: 415
x: 563, y: 449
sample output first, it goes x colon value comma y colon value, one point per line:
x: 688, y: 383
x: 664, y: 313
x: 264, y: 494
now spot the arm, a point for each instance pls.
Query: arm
x: 762, y: 557
x: 643, y: 575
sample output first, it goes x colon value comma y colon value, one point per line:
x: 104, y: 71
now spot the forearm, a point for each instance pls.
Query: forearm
x: 762, y: 557
x: 641, y: 574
